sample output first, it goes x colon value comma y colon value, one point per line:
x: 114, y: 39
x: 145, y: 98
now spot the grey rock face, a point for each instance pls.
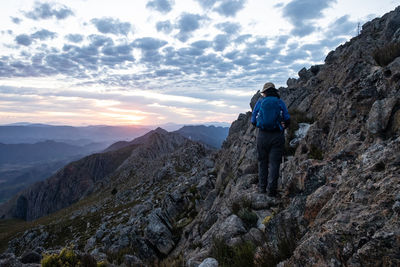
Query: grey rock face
x: 159, y: 234
x: 379, y: 115
x: 209, y: 262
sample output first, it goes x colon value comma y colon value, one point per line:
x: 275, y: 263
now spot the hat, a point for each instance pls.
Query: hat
x: 267, y: 86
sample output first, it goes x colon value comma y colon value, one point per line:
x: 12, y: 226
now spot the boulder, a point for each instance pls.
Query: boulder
x: 379, y: 115
x: 209, y: 262
x: 158, y: 234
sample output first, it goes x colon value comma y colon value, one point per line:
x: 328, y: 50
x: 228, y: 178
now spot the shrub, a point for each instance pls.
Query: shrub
x: 170, y: 262
x: 68, y: 257
x: 242, y: 203
x: 248, y: 217
x: 241, y: 254
x: 281, y: 247
x: 386, y: 54
x: 268, y: 256
x: 315, y: 153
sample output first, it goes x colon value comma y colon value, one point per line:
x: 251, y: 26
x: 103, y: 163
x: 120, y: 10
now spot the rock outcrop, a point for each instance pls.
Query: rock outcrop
x: 339, y: 203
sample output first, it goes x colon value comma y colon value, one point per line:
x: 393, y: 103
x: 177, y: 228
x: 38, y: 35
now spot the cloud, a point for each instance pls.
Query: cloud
x: 74, y: 38
x: 99, y: 40
x: 16, y: 20
x: 23, y: 39
x: 221, y: 41
x: 113, y: 26
x: 202, y: 44
x: 164, y: 26
x: 163, y: 6
x: 229, y: 8
x: 229, y: 27
x: 342, y: 26
x: 43, y: 35
x: 279, y: 5
x: 47, y: 11
x: 187, y: 24
x: 303, y: 29
x: 149, y: 43
x: 242, y: 38
x: 301, y: 14
x: 206, y: 4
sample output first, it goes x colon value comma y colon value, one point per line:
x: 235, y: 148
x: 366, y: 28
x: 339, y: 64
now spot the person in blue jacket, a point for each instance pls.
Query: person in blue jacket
x: 271, y: 116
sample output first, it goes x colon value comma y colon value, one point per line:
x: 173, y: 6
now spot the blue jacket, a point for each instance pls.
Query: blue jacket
x: 285, y: 113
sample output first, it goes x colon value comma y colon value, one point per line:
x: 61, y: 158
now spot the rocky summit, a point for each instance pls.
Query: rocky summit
x: 169, y: 201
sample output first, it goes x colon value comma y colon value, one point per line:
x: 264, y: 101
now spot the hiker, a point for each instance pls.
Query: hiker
x: 271, y: 116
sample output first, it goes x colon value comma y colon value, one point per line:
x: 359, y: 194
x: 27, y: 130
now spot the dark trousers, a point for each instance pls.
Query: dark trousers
x: 270, y: 146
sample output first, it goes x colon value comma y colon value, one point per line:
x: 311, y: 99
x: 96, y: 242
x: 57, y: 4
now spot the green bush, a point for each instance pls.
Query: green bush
x: 242, y: 203
x: 268, y: 256
x: 386, y: 54
x: 239, y: 255
x: 248, y: 217
x: 68, y: 257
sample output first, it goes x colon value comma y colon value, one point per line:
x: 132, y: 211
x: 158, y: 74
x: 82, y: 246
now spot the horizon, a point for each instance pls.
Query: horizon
x: 158, y: 61
x: 215, y: 124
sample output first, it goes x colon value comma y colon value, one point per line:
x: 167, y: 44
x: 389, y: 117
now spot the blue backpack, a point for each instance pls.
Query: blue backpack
x: 269, y: 115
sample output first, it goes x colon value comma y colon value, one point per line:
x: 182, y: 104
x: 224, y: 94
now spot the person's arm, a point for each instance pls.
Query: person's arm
x: 255, y: 112
x: 285, y: 113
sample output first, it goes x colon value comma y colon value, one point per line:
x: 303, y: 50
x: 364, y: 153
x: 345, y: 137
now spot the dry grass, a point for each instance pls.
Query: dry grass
x: 386, y: 54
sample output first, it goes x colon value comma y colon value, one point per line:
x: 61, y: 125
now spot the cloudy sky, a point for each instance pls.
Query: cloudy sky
x: 85, y: 62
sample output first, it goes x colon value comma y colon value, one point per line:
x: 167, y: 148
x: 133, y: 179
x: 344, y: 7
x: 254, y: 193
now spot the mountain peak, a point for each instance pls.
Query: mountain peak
x: 160, y: 130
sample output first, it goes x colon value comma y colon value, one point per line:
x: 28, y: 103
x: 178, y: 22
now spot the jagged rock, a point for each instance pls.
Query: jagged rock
x: 231, y: 227
x: 158, y: 234
x: 291, y: 82
x: 204, y: 186
x: 131, y: 260
x: 263, y: 201
x: 304, y: 74
x: 316, y: 201
x: 209, y: 262
x: 379, y: 115
x: 396, y: 207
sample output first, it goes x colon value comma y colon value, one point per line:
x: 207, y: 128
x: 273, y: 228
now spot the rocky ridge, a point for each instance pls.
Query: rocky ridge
x: 339, y: 203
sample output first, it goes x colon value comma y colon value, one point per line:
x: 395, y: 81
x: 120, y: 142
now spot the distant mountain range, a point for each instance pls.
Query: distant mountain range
x: 33, y: 133
x: 25, y: 132
x: 209, y: 135
x: 23, y: 164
